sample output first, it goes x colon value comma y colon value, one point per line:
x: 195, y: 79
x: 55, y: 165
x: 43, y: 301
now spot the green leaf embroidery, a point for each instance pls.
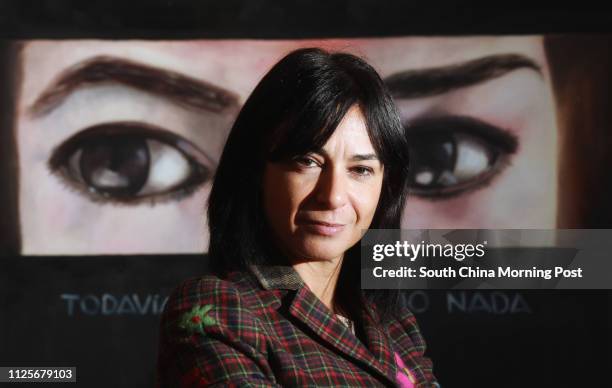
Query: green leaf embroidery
x: 196, y: 319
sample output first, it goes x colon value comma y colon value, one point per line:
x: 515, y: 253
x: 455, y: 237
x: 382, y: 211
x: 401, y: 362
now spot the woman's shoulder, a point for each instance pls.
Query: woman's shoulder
x: 404, y: 323
x: 208, y: 284
x: 400, y: 324
x: 207, y: 298
x: 204, y: 290
x: 207, y: 321
x: 405, y: 332
x: 398, y: 318
x: 209, y: 304
x: 404, y: 317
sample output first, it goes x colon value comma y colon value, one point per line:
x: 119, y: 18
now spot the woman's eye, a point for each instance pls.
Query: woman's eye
x: 451, y: 155
x: 363, y: 171
x: 306, y: 161
x: 130, y: 163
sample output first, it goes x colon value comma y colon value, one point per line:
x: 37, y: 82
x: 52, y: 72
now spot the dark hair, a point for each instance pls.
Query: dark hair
x: 293, y: 110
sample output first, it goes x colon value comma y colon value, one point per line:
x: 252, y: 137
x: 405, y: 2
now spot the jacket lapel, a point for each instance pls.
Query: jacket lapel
x: 377, y: 341
x: 313, y: 313
x: 375, y: 355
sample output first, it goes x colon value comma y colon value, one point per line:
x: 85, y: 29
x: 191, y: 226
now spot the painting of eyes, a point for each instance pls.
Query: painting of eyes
x: 130, y: 163
x: 451, y: 155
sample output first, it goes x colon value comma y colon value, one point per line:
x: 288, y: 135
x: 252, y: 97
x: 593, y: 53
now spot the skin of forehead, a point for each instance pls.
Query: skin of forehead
x: 350, y: 138
x: 239, y: 64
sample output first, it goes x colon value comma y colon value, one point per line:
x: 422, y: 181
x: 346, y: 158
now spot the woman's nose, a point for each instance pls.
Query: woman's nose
x: 332, y: 188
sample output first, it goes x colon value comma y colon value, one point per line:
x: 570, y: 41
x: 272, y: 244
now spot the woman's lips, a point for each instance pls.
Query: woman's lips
x: 323, y: 228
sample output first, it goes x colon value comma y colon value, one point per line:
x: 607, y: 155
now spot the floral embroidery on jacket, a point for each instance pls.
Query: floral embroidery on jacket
x: 196, y: 319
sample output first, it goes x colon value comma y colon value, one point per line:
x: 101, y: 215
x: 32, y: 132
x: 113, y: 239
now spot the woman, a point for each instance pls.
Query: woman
x: 316, y: 156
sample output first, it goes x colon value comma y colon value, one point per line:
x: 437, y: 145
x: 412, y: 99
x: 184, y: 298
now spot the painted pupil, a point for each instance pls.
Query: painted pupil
x: 116, y: 165
x: 432, y: 156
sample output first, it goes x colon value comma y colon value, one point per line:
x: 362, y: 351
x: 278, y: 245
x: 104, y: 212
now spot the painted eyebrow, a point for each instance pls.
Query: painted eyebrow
x: 178, y: 88
x: 439, y: 80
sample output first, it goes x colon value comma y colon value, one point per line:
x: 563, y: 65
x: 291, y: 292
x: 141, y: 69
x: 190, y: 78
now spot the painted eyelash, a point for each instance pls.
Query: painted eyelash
x: 100, y: 199
x: 503, y: 137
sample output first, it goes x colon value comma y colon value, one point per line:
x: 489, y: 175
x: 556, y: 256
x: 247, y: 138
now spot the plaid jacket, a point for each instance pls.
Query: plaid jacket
x: 265, y: 328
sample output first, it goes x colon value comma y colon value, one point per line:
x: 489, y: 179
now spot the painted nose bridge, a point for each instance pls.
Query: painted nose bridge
x: 332, y: 187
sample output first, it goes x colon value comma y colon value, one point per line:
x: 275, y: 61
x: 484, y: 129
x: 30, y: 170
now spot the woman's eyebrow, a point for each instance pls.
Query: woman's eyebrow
x: 178, y: 88
x: 353, y: 158
x: 438, y: 80
x: 362, y: 157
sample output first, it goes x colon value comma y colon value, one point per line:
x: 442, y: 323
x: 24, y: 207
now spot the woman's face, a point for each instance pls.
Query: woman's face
x: 318, y: 204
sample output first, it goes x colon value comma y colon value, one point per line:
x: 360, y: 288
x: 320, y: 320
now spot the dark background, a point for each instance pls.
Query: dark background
x: 488, y: 338
x: 476, y: 338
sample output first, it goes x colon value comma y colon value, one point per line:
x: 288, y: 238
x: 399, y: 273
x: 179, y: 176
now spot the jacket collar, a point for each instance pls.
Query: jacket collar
x: 375, y: 353
x: 273, y: 277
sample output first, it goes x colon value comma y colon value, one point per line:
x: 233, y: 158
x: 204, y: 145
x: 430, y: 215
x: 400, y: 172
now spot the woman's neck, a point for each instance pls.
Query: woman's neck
x: 321, y: 278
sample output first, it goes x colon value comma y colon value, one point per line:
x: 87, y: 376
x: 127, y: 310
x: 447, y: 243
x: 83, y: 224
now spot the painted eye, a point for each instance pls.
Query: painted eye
x: 130, y: 162
x: 455, y: 154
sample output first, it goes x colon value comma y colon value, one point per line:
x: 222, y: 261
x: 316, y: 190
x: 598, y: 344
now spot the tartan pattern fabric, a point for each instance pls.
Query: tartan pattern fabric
x: 270, y: 330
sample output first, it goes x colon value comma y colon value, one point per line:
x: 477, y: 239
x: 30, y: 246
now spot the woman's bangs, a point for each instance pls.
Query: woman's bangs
x: 309, y: 128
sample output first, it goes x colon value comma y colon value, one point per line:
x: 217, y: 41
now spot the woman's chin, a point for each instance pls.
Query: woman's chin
x: 320, y: 249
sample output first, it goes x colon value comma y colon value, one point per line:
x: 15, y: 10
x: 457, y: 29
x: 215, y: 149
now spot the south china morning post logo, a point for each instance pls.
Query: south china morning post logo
x: 468, y: 259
